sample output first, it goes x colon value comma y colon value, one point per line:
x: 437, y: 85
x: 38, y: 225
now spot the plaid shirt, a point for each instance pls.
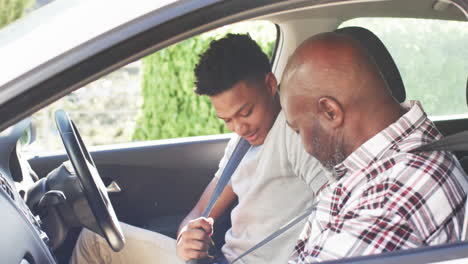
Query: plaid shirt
x: 385, y: 198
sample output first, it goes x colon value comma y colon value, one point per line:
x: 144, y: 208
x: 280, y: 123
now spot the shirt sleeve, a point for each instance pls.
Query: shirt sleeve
x: 302, y: 163
x: 227, y: 154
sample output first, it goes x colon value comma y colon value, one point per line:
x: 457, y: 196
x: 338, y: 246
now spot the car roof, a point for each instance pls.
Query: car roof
x: 60, y: 26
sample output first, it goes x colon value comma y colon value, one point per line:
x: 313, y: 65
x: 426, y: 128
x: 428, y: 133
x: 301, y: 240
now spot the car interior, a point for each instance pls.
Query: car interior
x: 46, y: 200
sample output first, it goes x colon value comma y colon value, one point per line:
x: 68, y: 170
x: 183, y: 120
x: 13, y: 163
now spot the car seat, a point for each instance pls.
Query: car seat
x: 382, y: 59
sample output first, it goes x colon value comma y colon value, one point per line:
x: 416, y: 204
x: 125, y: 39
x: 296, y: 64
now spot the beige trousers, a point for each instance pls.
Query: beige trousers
x: 141, y: 246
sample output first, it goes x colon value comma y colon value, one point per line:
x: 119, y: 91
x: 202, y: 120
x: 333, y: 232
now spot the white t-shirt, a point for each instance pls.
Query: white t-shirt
x: 274, y: 183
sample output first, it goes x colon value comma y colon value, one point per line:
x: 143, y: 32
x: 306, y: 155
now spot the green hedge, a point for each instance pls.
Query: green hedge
x: 10, y: 10
x: 170, y: 108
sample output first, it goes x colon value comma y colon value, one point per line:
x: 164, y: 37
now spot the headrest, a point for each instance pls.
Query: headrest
x: 382, y: 58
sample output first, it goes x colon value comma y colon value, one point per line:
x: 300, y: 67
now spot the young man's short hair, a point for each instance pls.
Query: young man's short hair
x: 227, y: 61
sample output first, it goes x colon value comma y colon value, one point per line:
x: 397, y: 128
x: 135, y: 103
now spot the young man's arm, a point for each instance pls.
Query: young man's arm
x: 194, y: 234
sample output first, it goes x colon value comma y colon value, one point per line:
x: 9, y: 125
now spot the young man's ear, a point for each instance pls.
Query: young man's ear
x: 331, y: 111
x: 272, y: 83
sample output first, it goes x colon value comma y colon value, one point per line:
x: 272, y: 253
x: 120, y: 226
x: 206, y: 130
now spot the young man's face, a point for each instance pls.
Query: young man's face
x: 249, y: 109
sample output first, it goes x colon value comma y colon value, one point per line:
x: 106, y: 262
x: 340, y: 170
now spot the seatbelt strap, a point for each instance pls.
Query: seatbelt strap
x: 309, y: 212
x: 455, y: 142
x: 237, y: 155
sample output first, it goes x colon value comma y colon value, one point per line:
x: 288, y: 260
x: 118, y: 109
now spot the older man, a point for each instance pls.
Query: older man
x: 384, y: 197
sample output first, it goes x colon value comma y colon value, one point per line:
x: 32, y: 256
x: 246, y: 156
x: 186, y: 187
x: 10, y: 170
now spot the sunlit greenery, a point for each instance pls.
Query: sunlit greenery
x: 10, y: 10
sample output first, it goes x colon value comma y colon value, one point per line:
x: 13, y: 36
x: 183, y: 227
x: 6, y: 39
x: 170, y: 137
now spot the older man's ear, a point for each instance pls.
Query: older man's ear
x: 330, y: 111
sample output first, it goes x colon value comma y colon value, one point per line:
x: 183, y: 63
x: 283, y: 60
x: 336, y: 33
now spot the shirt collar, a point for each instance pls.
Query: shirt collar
x: 374, y: 148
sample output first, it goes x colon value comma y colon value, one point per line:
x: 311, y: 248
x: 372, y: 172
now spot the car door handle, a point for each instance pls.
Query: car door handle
x: 113, y: 187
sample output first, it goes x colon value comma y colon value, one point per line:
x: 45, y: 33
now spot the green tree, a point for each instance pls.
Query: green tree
x: 10, y: 10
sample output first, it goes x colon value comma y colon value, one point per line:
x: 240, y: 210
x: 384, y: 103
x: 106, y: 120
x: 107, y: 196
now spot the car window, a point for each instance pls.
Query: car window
x: 149, y: 99
x: 432, y: 58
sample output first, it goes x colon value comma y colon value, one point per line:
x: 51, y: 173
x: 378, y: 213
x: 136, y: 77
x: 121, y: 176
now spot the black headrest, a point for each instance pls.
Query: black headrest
x: 382, y: 58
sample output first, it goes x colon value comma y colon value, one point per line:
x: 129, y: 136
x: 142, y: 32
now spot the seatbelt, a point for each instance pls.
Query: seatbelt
x: 237, y: 155
x: 455, y: 142
x: 280, y: 231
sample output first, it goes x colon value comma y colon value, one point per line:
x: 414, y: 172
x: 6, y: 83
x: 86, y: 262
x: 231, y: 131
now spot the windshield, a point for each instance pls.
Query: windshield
x: 60, y: 26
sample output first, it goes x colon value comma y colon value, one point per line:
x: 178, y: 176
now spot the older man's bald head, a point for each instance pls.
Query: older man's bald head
x: 332, y: 64
x: 331, y: 88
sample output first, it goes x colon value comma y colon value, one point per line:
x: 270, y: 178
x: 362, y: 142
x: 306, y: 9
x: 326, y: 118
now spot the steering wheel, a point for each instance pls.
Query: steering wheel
x: 92, y: 185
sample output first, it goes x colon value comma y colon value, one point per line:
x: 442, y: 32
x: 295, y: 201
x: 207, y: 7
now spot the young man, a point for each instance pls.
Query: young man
x: 384, y: 196
x: 275, y: 181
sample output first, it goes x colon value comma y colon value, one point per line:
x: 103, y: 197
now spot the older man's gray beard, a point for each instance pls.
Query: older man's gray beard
x: 335, y: 158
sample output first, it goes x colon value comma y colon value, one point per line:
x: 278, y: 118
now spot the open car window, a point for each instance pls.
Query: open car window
x: 149, y: 99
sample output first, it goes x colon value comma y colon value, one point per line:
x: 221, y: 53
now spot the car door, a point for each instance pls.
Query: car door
x: 159, y: 181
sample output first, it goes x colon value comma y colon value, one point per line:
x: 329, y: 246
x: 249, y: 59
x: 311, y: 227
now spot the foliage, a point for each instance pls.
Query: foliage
x: 10, y: 10
x: 171, y: 109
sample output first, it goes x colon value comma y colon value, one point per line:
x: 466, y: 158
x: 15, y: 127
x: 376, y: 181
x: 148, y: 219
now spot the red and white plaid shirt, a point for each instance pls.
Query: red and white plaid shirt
x: 385, y: 198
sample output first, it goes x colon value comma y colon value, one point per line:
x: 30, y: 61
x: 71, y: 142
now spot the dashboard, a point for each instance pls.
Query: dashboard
x: 22, y: 241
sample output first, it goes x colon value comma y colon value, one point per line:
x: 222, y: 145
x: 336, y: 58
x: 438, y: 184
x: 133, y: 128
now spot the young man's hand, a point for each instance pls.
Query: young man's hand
x: 194, y: 240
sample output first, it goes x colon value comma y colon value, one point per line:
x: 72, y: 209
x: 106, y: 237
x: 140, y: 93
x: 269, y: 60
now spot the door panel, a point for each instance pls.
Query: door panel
x: 159, y: 179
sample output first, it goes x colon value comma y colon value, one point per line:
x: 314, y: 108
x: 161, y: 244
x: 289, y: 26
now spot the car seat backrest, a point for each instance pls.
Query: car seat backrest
x: 382, y: 58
